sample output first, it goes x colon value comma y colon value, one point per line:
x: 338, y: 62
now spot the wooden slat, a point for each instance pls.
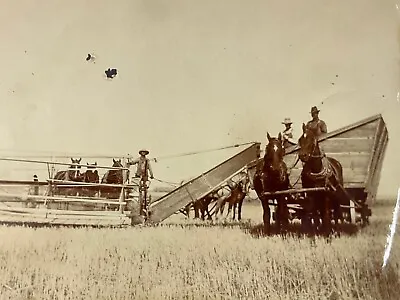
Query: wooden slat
x: 63, y: 216
x: 376, y: 150
x: 61, y: 212
x: 22, y: 182
x: 8, y: 197
x: 58, y: 163
x: 338, y: 145
x: 349, y: 175
x: 372, y: 186
x: 68, y: 220
x: 366, y: 130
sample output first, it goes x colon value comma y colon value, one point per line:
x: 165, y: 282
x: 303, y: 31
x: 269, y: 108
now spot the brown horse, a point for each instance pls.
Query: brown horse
x: 113, y: 176
x: 201, y: 206
x: 319, y: 171
x: 72, y: 174
x: 91, y: 176
x: 272, y: 176
x: 235, y: 198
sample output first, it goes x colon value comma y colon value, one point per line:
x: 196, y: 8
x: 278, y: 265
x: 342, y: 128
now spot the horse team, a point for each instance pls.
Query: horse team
x: 73, y: 174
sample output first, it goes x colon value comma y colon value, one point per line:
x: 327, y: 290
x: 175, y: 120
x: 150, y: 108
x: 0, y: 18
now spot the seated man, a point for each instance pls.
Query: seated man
x: 287, y: 133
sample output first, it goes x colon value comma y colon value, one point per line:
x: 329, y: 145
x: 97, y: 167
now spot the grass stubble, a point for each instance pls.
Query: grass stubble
x: 183, y: 260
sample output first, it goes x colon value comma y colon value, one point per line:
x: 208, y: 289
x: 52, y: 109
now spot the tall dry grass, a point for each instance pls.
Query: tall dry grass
x: 190, y: 261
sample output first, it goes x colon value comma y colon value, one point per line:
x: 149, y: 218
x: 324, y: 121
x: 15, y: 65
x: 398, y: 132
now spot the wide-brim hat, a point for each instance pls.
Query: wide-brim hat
x: 144, y: 152
x: 314, y: 109
x: 287, y: 121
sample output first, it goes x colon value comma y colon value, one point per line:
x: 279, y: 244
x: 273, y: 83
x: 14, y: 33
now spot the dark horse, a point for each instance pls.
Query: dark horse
x: 113, y: 176
x: 319, y: 171
x: 91, y: 176
x: 272, y: 176
x: 72, y: 174
x: 235, y: 198
x: 200, y: 206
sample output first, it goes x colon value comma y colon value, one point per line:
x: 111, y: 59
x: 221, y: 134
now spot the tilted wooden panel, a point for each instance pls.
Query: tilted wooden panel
x: 375, y: 151
x: 373, y: 184
x: 366, y: 130
x: 339, y: 145
x: 201, y: 185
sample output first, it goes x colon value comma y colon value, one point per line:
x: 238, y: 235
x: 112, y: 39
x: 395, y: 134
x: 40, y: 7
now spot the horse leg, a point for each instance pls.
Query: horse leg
x: 327, y: 216
x: 230, y: 205
x: 266, y: 217
x: 203, y: 210
x: 240, y: 210
x: 307, y: 215
x: 196, y: 209
x: 278, y: 214
x: 284, y: 214
x: 219, y: 208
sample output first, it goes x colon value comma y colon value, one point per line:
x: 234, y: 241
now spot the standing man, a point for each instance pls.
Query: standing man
x: 317, y: 125
x: 144, y: 167
x: 287, y: 133
x: 143, y: 171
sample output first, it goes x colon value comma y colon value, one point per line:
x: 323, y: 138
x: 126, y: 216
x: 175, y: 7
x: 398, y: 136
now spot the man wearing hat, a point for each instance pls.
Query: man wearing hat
x: 287, y: 134
x: 143, y: 163
x: 316, y: 124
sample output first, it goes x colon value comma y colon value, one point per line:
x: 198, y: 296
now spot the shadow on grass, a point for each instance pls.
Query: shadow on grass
x: 296, y: 230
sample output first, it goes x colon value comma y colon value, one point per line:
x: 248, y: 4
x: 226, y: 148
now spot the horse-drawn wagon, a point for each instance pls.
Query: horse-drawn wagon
x: 354, y: 157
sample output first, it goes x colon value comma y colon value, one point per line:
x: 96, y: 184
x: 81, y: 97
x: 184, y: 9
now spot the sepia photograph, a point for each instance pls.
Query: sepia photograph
x: 182, y: 149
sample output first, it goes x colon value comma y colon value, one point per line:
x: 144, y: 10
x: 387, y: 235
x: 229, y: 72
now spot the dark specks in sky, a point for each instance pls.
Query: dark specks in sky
x: 111, y: 73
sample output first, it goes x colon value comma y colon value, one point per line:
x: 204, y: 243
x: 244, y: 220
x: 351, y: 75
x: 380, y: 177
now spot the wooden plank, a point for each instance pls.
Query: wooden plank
x: 338, y: 145
x: 366, y: 130
x: 349, y: 175
x: 290, y: 191
x: 61, y: 216
x: 22, y: 182
x: 8, y: 216
x: 376, y: 151
x: 66, y: 183
x: 8, y: 197
x: 373, y: 151
x: 372, y: 188
x: 62, y: 212
x: 58, y: 163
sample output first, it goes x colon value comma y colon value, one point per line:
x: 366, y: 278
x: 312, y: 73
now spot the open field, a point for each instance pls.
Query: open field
x: 187, y: 259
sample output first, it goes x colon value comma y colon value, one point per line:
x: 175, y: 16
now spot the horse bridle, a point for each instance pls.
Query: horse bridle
x: 313, y: 150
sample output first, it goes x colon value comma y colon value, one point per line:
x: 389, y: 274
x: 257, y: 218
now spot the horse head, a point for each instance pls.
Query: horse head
x: 91, y: 174
x: 308, y: 143
x: 74, y: 168
x: 114, y: 176
x: 274, y: 153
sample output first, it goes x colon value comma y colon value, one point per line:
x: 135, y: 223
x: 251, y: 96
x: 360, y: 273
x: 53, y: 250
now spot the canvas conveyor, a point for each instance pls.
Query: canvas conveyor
x: 202, y: 185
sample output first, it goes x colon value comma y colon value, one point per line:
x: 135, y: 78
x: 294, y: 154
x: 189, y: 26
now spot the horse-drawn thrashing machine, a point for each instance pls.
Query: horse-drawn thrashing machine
x: 320, y: 180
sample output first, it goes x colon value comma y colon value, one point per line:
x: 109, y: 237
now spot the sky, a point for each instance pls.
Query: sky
x: 192, y: 75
